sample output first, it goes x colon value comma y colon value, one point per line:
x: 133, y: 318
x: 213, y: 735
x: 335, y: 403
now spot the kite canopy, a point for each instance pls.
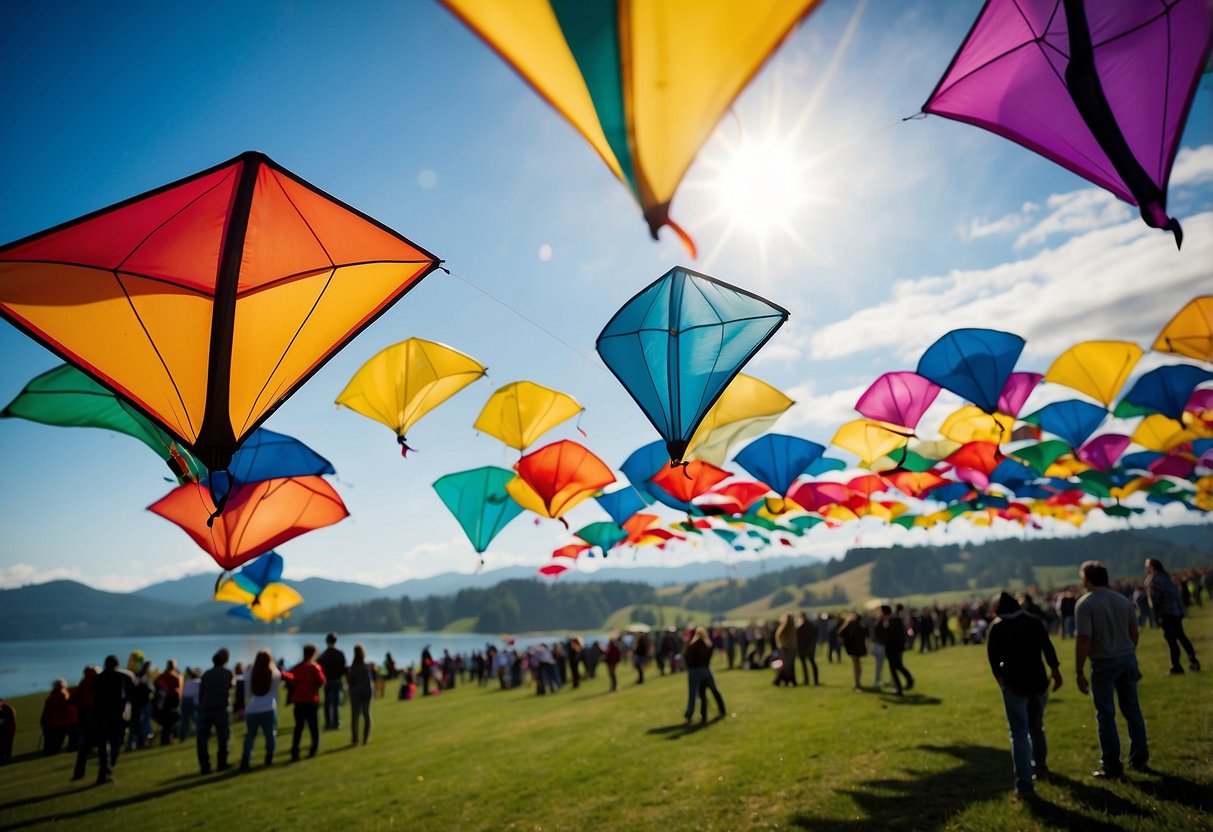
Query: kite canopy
x: 267, y: 455
x: 556, y: 477
x: 257, y: 517
x: 1097, y: 368
x: 206, y: 303
x: 1190, y: 332
x: 677, y: 344
x: 776, y: 459
x: 898, y: 398
x: 748, y: 407
x: 66, y: 397
x: 479, y: 501
x: 975, y: 364
x: 1102, y: 89
x: 405, y: 381
x: 522, y: 411
x: 644, y: 83
x: 1016, y: 391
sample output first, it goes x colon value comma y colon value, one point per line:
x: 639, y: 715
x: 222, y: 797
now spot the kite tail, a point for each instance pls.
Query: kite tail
x: 404, y: 447
x: 564, y: 523
x: 1174, y: 227
x: 687, y: 242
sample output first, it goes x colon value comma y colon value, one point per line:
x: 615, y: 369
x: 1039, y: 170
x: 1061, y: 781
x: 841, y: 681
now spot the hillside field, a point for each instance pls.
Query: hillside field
x: 812, y: 758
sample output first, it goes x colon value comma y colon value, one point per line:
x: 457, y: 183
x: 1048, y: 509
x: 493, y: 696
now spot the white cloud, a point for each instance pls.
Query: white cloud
x: 1193, y: 166
x: 1005, y: 224
x: 1121, y: 282
x: 824, y: 412
x: 1075, y: 213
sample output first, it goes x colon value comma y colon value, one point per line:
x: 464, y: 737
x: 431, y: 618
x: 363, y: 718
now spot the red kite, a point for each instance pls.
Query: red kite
x: 207, y: 302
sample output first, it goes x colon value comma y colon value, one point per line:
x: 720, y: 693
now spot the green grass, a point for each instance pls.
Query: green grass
x: 667, y: 616
x: 820, y: 758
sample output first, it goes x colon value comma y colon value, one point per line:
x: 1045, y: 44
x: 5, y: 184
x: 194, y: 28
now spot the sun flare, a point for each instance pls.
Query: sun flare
x: 762, y: 186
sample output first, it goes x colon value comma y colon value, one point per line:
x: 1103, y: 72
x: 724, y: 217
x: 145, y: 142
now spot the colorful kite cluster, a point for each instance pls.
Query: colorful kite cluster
x: 1091, y: 451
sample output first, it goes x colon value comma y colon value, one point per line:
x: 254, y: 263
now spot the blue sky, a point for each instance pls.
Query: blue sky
x: 894, y: 232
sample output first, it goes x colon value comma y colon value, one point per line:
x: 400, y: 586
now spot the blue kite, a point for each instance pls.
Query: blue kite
x: 677, y: 344
x: 973, y: 363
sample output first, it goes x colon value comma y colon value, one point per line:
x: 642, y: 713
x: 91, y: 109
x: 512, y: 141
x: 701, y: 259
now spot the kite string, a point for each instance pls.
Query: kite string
x: 530, y: 321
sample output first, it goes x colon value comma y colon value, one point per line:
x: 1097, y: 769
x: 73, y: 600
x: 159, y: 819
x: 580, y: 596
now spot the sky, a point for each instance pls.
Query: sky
x: 877, y: 231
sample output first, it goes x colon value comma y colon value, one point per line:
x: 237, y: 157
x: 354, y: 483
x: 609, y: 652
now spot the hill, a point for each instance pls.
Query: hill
x: 66, y: 609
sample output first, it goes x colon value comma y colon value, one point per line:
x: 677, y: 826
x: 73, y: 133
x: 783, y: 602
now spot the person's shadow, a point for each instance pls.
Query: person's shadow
x: 931, y: 799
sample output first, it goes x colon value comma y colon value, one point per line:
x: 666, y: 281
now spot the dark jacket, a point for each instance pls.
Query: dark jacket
x: 214, y: 693
x: 697, y: 654
x: 1014, y: 646
x: 332, y: 661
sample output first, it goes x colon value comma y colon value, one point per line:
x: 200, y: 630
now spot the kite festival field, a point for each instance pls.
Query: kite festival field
x: 817, y: 758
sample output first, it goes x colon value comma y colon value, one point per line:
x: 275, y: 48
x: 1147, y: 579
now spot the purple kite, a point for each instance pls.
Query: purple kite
x: 898, y: 398
x: 1103, y: 89
x: 1016, y: 391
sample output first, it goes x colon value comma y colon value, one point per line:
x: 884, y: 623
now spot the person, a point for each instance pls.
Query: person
x: 214, y: 709
x: 640, y: 655
x: 1014, y: 647
x: 427, y: 670
x: 1106, y: 632
x: 698, y: 656
x: 111, y: 710
x: 806, y: 645
x: 611, y: 657
x: 238, y: 692
x: 574, y: 654
x: 8, y: 730
x: 86, y: 719
x: 853, y: 637
x: 189, y: 702
x: 140, y: 730
x: 261, y: 682
x: 168, y: 700
x: 332, y: 662
x: 362, y: 690
x: 308, y: 680
x: 58, y: 717
x: 1168, y: 608
x: 785, y: 639
x: 893, y: 633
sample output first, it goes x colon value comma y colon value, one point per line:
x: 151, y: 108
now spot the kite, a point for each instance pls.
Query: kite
x: 677, y: 344
x: 258, y: 517
x: 521, y: 412
x: 1096, y: 368
x: 266, y: 455
x: 556, y: 477
x: 1190, y: 332
x: 972, y: 424
x: 1016, y: 391
x: 975, y: 364
x: 1102, y: 89
x: 405, y: 381
x: 1102, y: 452
x: 1166, y: 389
x: 602, y: 534
x: 623, y: 502
x: 640, y: 467
x: 686, y: 482
x: 748, y: 407
x: 260, y: 573
x: 898, y: 398
x: 480, y: 502
x: 66, y: 397
x: 206, y: 303
x: 1072, y: 420
x: 644, y: 83
x: 869, y: 440
x: 777, y: 459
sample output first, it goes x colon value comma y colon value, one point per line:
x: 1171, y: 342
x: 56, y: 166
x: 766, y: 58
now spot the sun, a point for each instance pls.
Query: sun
x: 761, y: 186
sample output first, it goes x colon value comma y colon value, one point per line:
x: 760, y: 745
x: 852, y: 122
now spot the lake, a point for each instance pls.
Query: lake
x: 31, y: 666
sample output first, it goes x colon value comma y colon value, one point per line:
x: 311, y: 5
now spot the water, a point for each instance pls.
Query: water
x: 31, y: 666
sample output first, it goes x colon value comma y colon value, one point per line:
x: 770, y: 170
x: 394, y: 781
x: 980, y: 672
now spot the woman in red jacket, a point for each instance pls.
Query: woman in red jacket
x: 305, y: 696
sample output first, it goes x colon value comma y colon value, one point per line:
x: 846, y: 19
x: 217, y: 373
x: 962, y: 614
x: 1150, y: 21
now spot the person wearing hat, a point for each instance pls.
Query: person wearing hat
x: 1014, y: 646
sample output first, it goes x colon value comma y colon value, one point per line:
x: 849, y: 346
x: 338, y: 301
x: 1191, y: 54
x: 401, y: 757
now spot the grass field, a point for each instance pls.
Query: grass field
x: 812, y: 758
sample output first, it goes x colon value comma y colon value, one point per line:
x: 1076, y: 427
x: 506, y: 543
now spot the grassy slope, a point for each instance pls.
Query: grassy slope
x: 810, y: 758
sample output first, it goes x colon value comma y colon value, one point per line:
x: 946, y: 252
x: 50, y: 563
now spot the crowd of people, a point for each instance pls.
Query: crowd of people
x: 131, y: 707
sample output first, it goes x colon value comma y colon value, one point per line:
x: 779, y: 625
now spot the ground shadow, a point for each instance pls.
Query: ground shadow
x: 681, y: 729
x: 30, y: 801
x: 1175, y: 789
x: 930, y: 799
x: 910, y: 699
x: 1097, y: 797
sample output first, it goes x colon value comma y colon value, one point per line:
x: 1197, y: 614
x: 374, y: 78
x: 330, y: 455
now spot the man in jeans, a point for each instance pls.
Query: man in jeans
x: 214, y: 707
x: 1014, y: 647
x: 1106, y: 626
x: 332, y: 662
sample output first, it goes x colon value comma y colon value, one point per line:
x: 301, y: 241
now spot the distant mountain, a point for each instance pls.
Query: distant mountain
x: 66, y: 609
